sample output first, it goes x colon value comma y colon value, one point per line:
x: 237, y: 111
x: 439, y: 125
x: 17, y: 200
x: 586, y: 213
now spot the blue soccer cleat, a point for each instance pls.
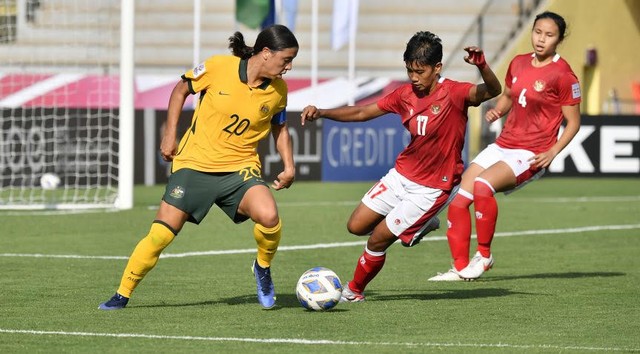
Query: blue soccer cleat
x: 116, y: 302
x: 266, y: 291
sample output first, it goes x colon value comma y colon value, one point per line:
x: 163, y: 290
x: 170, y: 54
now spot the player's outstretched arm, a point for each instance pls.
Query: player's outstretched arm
x: 342, y: 114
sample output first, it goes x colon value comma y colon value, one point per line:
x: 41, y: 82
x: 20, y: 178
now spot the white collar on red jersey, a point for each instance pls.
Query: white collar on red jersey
x: 555, y: 57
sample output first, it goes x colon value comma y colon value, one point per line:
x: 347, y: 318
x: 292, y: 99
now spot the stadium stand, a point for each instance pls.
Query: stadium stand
x: 164, y: 33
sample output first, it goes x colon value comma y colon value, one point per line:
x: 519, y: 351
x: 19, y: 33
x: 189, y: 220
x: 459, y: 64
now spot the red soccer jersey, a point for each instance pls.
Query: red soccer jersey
x: 437, y: 124
x: 537, y: 95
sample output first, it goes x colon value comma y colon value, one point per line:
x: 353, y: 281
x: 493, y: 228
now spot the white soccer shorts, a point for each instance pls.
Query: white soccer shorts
x: 516, y: 159
x: 406, y: 204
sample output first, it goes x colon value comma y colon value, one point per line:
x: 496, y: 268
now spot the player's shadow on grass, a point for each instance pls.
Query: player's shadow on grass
x: 236, y: 300
x: 566, y: 275
x: 457, y: 294
x: 283, y: 301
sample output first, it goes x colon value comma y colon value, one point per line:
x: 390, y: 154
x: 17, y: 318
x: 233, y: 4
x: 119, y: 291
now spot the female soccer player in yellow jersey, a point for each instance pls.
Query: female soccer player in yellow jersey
x: 242, y: 99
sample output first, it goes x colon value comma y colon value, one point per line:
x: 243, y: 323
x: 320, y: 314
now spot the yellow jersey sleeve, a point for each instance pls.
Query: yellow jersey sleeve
x: 200, y: 77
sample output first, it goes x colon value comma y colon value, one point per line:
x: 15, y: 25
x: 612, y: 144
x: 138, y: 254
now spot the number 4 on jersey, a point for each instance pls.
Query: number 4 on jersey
x: 522, y: 100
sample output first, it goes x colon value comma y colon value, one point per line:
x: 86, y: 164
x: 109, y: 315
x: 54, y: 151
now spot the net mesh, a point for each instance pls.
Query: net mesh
x: 59, y: 95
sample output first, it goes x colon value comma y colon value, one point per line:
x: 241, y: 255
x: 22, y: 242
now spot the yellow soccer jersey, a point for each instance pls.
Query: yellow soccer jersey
x: 230, y: 118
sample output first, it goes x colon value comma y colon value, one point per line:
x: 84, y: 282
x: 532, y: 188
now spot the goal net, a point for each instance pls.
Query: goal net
x: 62, y: 72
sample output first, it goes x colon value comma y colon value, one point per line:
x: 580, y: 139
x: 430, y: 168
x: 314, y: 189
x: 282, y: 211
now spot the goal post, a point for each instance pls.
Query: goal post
x: 66, y: 104
x: 126, y: 124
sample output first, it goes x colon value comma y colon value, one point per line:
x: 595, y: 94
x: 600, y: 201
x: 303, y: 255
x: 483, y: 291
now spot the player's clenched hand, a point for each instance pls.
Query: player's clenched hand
x: 309, y: 113
x: 284, y: 180
x: 475, y: 57
x: 168, y: 147
x: 492, y: 115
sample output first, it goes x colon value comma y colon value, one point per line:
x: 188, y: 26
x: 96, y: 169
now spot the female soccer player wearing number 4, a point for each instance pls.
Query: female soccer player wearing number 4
x: 242, y: 99
x: 404, y: 203
x: 541, y: 90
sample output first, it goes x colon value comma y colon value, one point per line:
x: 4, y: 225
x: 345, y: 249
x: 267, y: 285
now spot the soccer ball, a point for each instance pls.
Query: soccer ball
x: 319, y: 289
x: 49, y: 181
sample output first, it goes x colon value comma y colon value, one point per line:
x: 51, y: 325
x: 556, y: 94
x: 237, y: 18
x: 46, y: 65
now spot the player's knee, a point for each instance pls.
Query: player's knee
x: 267, y: 218
x: 357, y: 228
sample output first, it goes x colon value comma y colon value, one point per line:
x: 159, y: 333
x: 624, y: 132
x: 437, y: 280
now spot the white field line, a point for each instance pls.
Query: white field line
x: 314, y: 341
x: 31, y: 213
x: 332, y: 245
x: 603, y: 199
x: 349, y: 203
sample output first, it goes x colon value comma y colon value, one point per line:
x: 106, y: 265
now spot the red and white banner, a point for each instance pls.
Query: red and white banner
x: 153, y: 91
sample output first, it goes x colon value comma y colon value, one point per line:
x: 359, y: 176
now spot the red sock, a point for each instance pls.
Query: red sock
x: 459, y: 231
x: 486, y: 215
x: 367, y: 268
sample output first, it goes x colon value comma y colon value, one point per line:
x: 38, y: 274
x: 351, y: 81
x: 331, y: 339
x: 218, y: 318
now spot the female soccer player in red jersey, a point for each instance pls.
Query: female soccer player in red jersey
x: 404, y: 203
x: 541, y: 90
x: 242, y: 99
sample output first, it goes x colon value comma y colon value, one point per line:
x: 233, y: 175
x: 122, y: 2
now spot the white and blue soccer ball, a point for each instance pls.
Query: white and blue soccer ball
x: 319, y: 289
x: 49, y: 181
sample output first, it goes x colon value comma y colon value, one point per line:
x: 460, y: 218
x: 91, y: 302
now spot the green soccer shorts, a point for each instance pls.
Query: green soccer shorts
x: 195, y: 192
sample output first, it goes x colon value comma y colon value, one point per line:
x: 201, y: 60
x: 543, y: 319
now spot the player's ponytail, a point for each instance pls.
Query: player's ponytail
x: 275, y: 38
x: 238, y: 47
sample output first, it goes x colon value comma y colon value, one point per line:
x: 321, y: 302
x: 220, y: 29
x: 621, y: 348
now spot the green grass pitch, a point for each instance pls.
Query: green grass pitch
x: 566, y: 279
